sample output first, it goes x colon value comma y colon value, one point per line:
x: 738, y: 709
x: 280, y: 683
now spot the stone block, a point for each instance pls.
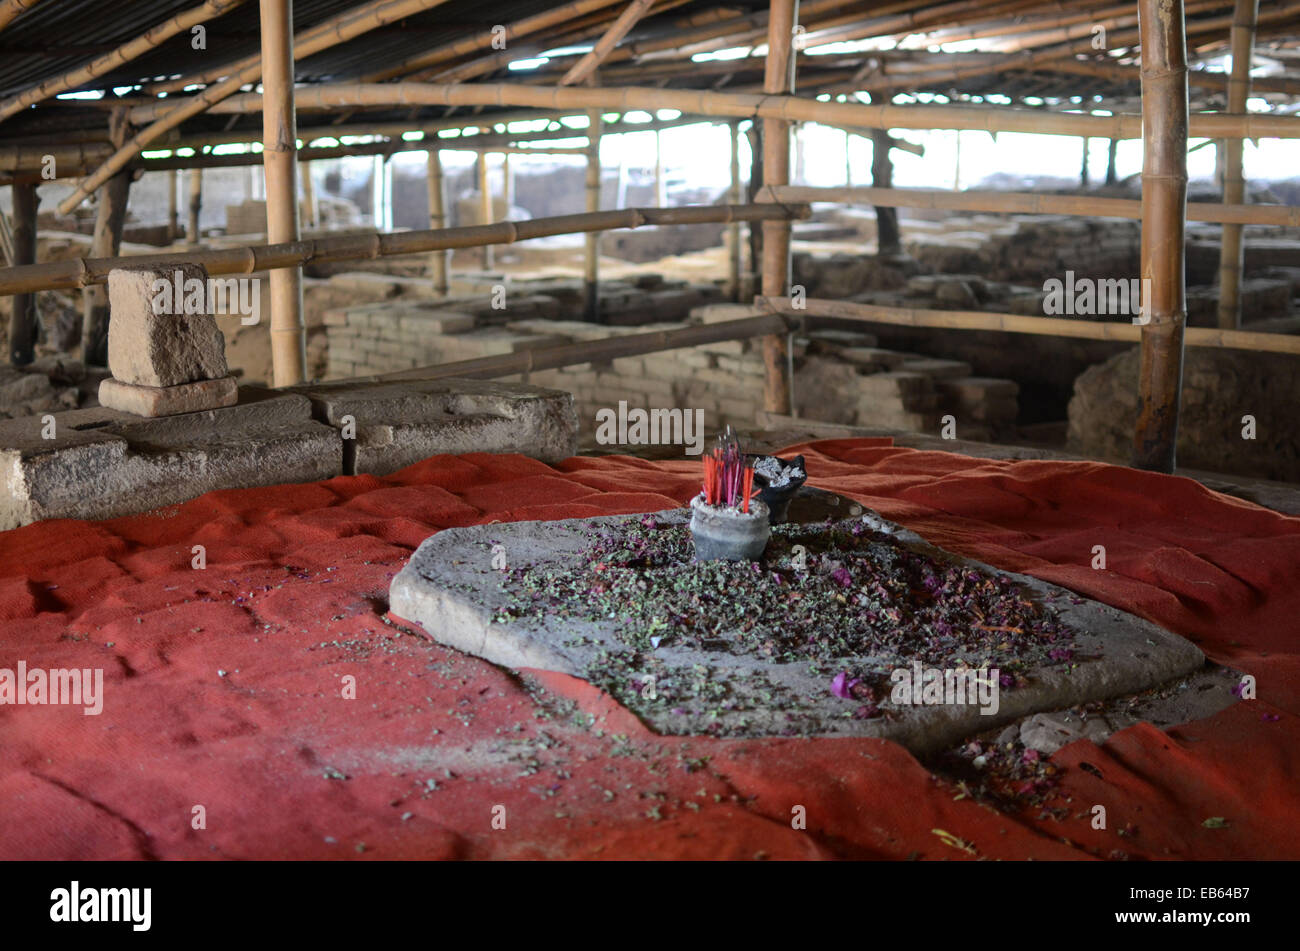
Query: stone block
x: 938, y: 369
x: 104, y: 463
x: 148, y: 344
x: 403, y: 422
x: 168, y: 400
x: 451, y: 590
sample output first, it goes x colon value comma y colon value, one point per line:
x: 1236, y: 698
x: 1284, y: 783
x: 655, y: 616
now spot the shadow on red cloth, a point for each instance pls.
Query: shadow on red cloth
x: 226, y: 687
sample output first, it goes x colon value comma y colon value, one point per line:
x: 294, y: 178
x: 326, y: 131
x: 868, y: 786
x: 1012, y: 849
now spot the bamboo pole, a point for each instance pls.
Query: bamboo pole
x: 587, y: 351
x: 1027, y: 203
x: 591, y: 247
x: 330, y: 33
x: 1232, y: 250
x: 584, y: 67
x: 507, y: 183
x: 734, y: 250
x: 149, y: 40
x: 661, y: 196
x: 105, y: 242
x: 778, y: 79
x: 310, y: 210
x: 481, y: 39
x: 193, y: 231
x: 888, y: 238
x: 173, y: 201
x: 84, y: 272
x: 708, y: 104
x: 1198, y: 78
x: 1076, y: 328
x: 485, y: 205
x: 10, y: 10
x: 22, y: 319
x: 1164, y: 196
x: 280, y: 143
x: 439, y: 261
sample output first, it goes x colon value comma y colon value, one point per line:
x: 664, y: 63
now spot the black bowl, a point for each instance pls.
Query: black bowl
x: 778, y: 498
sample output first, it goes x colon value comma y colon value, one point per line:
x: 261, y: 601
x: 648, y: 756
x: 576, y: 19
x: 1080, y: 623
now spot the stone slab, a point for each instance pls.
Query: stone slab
x: 400, y: 423
x: 104, y: 463
x: 168, y: 400
x: 450, y: 588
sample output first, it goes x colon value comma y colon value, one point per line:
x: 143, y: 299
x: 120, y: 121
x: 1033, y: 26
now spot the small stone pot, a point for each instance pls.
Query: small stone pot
x: 729, y: 534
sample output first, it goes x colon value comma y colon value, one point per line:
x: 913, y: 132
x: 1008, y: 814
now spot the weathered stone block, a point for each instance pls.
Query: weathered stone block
x: 103, y: 463
x: 400, y: 423
x: 452, y: 590
x: 149, y: 344
x: 168, y: 400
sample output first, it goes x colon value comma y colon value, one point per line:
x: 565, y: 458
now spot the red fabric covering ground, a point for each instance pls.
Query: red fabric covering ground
x: 292, y: 601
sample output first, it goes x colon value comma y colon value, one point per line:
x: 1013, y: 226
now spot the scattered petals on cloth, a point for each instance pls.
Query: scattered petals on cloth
x: 231, y: 686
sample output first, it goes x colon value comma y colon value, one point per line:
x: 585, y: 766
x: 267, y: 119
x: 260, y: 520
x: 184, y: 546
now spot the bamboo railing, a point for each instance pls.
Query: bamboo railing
x: 764, y: 106
x: 84, y: 272
x: 1028, y: 203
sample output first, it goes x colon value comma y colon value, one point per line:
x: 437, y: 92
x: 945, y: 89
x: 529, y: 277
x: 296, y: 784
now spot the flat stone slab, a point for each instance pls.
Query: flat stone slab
x: 451, y: 588
x: 399, y: 423
x: 168, y: 400
x: 104, y: 463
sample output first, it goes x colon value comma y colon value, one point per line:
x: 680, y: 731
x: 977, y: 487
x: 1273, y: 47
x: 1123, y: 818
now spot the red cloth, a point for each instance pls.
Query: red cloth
x: 292, y: 601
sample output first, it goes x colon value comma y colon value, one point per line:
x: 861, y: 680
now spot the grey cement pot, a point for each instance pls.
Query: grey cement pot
x: 729, y: 534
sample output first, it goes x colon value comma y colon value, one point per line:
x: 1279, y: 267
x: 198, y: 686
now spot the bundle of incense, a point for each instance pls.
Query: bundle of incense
x: 728, y: 475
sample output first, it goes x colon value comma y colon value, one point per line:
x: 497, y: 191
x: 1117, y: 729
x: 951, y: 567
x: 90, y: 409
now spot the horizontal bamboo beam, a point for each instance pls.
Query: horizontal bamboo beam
x: 149, y: 40
x: 584, y: 67
x: 10, y: 10
x: 323, y: 36
x: 82, y: 272
x: 1026, y: 203
x: 593, y: 351
x: 1021, y: 324
x: 761, y: 106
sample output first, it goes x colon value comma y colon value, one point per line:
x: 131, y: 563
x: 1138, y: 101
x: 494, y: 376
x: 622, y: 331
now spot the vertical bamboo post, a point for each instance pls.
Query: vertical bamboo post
x: 105, y: 242
x: 1164, y: 208
x: 661, y: 190
x: 751, y: 282
x: 778, y: 79
x: 1083, y: 164
x: 280, y: 164
x: 956, y: 165
x: 173, y: 205
x: 22, y: 320
x: 310, y: 211
x: 848, y: 160
x: 196, y: 205
x: 1112, y: 153
x: 888, y: 240
x: 507, y: 184
x: 734, y: 250
x: 438, y: 260
x: 1232, y: 249
x: 485, y: 205
x: 591, y: 249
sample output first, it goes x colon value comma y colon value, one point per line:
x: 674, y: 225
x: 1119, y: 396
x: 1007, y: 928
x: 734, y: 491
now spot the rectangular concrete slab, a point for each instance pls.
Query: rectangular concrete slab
x: 104, y: 463
x: 451, y: 588
x: 400, y: 423
x: 168, y: 400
